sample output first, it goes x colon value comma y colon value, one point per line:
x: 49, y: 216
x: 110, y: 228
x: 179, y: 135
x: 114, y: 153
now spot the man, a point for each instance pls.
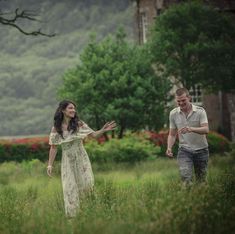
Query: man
x: 191, y: 124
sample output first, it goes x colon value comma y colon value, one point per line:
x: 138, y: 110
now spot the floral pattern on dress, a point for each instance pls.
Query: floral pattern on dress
x: 76, y: 171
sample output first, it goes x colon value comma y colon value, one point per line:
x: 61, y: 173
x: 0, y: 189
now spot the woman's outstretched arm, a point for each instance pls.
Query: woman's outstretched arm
x: 109, y: 126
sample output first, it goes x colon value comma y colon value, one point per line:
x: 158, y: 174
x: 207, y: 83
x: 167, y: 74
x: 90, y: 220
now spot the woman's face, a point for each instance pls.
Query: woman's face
x: 69, y: 111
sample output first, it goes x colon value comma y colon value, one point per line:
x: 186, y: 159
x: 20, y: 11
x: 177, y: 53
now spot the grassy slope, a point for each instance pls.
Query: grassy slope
x: 31, y: 68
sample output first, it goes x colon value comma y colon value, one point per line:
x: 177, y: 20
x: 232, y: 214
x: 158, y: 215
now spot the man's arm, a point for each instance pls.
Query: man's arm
x: 171, y: 141
x: 203, y: 129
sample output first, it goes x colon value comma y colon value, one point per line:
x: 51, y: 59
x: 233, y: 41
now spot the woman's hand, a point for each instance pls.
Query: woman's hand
x: 109, y: 126
x: 49, y: 170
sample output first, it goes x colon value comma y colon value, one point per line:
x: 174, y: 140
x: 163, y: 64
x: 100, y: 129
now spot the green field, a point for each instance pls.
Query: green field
x: 142, y: 198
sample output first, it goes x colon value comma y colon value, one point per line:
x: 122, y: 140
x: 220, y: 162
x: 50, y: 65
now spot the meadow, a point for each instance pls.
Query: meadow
x: 145, y: 197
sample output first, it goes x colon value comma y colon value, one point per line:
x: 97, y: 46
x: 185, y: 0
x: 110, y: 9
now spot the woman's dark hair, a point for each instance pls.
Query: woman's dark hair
x: 59, y: 116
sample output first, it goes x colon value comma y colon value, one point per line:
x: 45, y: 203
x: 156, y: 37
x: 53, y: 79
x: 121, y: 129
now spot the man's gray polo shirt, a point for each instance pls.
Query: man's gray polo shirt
x: 196, y: 117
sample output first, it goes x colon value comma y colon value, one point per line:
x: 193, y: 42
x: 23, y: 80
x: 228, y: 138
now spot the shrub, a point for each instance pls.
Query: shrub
x: 128, y: 149
x: 25, y: 140
x: 132, y: 148
x: 20, y: 149
x: 160, y: 139
x: 20, y: 152
x: 218, y: 143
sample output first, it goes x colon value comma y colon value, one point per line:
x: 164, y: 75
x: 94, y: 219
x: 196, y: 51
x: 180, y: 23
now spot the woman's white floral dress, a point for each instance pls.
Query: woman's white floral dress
x: 76, y: 172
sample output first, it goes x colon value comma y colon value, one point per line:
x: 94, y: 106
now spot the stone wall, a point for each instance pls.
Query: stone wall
x: 212, y: 105
x: 229, y: 115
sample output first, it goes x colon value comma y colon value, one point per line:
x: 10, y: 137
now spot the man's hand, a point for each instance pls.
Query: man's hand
x: 169, y: 153
x: 184, y: 130
x: 49, y: 171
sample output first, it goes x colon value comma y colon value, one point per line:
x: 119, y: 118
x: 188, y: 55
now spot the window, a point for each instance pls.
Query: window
x: 196, y: 94
x: 158, y: 12
x: 158, y: 6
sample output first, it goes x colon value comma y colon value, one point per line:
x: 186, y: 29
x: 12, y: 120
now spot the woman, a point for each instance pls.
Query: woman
x: 76, y: 172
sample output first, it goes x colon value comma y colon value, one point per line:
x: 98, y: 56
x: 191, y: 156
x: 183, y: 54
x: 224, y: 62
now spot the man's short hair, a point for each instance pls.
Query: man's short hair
x: 182, y: 91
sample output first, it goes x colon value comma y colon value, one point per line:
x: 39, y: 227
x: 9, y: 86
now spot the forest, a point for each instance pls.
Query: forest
x: 32, y: 67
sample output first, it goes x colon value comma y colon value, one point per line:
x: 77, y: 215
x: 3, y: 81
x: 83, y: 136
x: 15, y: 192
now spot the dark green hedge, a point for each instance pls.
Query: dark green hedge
x: 129, y: 149
x: 217, y: 142
x: 20, y: 152
x: 132, y: 148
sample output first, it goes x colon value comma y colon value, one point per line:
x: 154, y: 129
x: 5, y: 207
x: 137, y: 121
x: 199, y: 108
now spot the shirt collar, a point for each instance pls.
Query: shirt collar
x: 193, y: 108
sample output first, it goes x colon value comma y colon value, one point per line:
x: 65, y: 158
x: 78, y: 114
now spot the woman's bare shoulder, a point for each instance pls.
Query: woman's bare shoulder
x: 53, y: 130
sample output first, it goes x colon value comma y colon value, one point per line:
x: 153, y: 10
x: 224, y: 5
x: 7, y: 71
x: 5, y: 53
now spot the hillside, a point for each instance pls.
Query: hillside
x: 31, y: 67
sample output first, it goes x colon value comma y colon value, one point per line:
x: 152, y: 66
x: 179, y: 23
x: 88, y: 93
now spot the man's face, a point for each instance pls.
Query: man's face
x: 183, y: 101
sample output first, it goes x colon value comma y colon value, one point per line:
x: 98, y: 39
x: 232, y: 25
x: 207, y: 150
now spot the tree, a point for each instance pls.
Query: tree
x: 115, y: 80
x: 195, y: 44
x: 12, y: 19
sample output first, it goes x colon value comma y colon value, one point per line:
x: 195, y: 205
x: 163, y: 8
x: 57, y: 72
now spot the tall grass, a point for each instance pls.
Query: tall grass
x: 143, y: 198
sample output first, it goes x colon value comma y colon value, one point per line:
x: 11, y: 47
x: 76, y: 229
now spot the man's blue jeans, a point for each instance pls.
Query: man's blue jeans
x: 189, y: 159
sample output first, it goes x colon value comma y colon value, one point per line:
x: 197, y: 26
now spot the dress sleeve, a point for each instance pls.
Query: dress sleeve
x: 54, y: 138
x: 84, y: 130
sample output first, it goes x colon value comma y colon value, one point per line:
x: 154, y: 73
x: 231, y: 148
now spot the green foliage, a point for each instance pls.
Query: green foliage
x: 32, y: 67
x: 195, y: 44
x: 115, y: 80
x: 218, y: 143
x: 21, y: 152
x: 132, y: 148
x: 129, y: 149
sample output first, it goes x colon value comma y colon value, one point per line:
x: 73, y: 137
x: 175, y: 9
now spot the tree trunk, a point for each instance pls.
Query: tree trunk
x: 120, y: 135
x: 97, y: 121
x: 106, y: 136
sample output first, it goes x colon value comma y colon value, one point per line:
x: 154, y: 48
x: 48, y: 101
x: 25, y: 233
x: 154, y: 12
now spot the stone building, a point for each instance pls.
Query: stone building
x: 220, y: 107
